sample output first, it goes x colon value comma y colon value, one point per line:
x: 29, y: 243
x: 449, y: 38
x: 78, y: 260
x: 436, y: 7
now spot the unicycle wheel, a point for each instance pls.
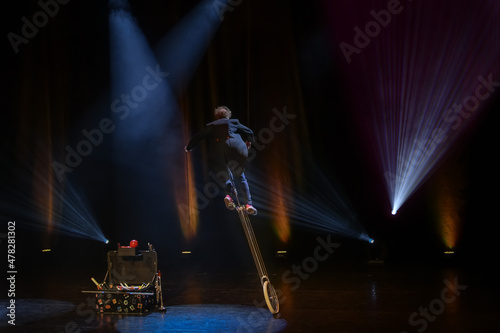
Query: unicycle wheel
x: 272, y: 301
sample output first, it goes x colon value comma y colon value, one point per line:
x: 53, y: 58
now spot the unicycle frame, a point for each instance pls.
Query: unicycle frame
x: 268, y: 290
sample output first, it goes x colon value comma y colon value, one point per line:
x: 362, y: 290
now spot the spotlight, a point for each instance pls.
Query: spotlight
x: 106, y: 241
x: 371, y: 241
x: 394, y: 211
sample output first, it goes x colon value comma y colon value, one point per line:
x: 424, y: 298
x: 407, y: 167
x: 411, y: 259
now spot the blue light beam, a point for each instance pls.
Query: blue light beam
x: 182, y: 48
x: 69, y: 214
x: 319, y: 205
x: 149, y: 124
x: 141, y: 100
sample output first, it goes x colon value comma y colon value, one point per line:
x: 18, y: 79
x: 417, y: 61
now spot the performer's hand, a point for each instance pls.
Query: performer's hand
x: 249, y: 144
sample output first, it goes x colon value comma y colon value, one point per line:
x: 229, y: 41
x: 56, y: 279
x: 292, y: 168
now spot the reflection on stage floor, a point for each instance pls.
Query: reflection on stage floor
x: 345, y: 298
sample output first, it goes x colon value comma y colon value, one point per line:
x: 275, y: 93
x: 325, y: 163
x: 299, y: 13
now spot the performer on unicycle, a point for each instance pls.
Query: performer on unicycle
x: 229, y: 142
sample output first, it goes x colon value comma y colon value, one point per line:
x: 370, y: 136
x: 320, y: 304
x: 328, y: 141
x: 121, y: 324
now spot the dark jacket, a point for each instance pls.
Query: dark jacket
x: 226, y: 138
x: 221, y: 130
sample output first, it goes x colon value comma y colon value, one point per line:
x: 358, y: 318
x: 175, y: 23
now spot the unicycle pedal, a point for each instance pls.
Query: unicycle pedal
x: 229, y: 202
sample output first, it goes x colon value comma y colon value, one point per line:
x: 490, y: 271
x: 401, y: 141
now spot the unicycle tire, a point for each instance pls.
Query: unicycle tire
x: 272, y: 301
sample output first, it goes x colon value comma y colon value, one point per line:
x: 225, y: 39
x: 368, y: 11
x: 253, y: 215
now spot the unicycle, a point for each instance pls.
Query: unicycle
x: 270, y: 296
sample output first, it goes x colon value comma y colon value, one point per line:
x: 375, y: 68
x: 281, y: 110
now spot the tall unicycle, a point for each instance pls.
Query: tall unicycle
x: 268, y: 289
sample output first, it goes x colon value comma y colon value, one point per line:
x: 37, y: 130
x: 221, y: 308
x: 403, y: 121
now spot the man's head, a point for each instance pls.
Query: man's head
x: 222, y: 112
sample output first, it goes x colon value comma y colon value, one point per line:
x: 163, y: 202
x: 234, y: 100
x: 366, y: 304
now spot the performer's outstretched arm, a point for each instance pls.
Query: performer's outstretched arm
x: 196, y: 139
x: 246, y: 133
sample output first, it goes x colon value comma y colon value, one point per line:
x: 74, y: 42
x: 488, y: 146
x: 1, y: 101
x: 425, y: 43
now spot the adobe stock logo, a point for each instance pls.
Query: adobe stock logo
x: 453, y: 118
x: 292, y: 277
x: 121, y: 108
x: 30, y: 28
x: 425, y: 315
x: 222, y: 6
x: 263, y: 138
x: 461, y: 111
x: 372, y: 29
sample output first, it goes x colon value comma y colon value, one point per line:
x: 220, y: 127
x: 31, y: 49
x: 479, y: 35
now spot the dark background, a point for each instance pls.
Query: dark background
x: 265, y: 55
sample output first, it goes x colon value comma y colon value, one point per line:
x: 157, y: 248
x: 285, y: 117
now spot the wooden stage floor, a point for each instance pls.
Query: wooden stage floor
x: 332, y: 297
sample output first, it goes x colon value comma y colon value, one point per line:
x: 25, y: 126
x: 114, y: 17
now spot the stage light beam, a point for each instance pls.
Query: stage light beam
x: 319, y: 205
x: 70, y: 213
x: 435, y: 80
x: 181, y: 49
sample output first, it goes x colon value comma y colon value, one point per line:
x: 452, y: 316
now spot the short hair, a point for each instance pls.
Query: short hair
x: 222, y: 112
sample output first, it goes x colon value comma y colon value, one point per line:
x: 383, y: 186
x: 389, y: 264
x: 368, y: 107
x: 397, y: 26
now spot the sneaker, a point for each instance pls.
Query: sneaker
x: 251, y: 209
x: 229, y: 202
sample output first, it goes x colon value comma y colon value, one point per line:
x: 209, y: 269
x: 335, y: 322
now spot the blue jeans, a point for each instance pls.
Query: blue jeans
x: 231, y: 154
x: 242, y: 187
